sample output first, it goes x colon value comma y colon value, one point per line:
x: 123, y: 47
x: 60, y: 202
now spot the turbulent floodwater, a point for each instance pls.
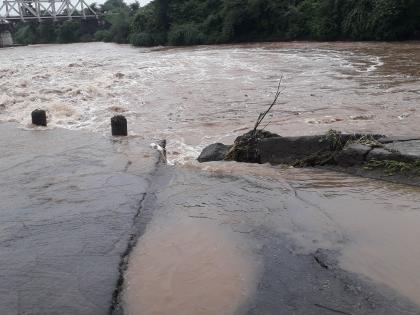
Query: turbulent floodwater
x: 196, y: 96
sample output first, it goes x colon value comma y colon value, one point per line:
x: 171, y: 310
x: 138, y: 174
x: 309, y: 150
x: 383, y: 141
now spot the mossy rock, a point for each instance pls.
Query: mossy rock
x: 245, y: 147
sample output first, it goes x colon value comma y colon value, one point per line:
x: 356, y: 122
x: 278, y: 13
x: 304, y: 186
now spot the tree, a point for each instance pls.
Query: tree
x: 46, y: 32
x: 186, y: 22
x: 134, y: 7
x: 113, y: 5
x: 162, y: 17
x: 26, y: 34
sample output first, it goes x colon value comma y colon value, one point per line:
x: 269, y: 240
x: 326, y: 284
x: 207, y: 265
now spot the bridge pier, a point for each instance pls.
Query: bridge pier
x: 6, y: 39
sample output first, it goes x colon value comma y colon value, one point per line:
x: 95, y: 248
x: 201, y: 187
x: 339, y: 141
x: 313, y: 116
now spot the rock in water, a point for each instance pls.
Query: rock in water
x: 245, y: 148
x: 300, y: 151
x: 354, y: 154
x: 381, y: 154
x: 214, y: 152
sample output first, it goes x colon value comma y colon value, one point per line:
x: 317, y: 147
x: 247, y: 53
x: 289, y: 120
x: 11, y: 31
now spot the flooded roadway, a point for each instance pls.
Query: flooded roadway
x: 197, y: 96
x: 229, y: 244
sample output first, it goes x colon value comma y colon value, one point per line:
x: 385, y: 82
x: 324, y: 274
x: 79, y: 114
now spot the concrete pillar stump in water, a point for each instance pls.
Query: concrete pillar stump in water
x: 6, y: 39
x: 39, y: 117
x: 119, y: 125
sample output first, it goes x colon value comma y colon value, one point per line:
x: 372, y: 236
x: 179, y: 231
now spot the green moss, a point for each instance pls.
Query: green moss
x: 316, y: 159
x: 339, y: 142
x: 393, y: 167
x: 366, y: 140
x: 334, y: 137
x: 245, y: 147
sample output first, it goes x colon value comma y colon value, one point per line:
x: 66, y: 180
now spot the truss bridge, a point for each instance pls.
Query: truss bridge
x: 27, y: 10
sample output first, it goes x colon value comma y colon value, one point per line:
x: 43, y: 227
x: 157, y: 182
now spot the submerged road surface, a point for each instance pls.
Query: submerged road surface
x: 75, y: 204
x: 227, y: 244
x: 68, y: 201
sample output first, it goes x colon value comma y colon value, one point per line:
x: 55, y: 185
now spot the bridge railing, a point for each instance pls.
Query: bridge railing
x: 40, y: 10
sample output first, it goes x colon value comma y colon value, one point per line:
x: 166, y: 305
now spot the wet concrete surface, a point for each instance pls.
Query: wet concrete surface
x: 74, y: 204
x: 68, y: 200
x: 265, y: 219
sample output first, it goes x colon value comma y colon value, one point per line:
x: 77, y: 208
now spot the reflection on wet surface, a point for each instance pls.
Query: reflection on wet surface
x: 207, y: 220
x: 189, y: 268
x: 374, y: 224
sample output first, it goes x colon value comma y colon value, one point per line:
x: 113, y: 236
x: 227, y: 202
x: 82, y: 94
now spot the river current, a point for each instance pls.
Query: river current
x: 196, y: 96
x: 200, y: 95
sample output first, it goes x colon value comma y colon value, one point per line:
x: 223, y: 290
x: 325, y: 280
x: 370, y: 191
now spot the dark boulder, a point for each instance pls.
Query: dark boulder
x: 353, y: 154
x: 246, y: 147
x: 289, y: 150
x: 214, y: 152
x: 391, y: 139
x: 410, y: 149
x: 382, y: 154
x: 265, y: 147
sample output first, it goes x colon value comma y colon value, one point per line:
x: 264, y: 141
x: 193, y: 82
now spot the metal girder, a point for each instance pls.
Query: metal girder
x: 40, y: 10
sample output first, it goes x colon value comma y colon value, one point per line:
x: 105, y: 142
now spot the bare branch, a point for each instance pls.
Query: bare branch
x: 263, y: 114
x: 267, y: 125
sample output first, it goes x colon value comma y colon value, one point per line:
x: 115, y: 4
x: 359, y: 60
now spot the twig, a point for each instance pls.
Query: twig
x: 263, y: 114
x: 331, y: 309
x: 267, y: 124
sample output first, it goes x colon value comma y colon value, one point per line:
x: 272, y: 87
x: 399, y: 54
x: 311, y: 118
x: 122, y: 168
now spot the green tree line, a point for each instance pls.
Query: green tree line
x: 190, y: 22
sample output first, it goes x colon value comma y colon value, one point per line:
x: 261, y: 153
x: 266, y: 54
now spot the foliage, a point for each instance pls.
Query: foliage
x: 103, y: 36
x: 119, y: 26
x: 68, y: 32
x: 147, y: 39
x: 185, y: 34
x: 320, y: 158
x: 334, y: 137
x: 26, y: 34
x: 189, y: 22
x: 366, y: 140
x: 393, y: 167
x: 46, y: 32
x: 113, y: 6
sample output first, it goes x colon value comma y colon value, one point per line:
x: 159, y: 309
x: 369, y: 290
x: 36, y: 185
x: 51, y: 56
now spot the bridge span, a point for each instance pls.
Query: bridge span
x: 39, y: 10
x: 26, y: 10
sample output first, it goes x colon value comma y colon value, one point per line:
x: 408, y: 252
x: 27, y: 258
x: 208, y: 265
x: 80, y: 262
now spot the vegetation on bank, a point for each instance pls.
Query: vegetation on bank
x: 392, y: 167
x: 188, y: 22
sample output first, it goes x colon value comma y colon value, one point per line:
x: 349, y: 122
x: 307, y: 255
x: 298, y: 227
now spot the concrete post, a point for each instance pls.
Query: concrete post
x: 5, y: 38
x: 119, y: 125
x: 39, y: 117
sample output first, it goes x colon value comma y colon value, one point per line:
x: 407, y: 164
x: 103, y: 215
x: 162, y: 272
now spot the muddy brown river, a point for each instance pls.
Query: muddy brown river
x: 196, y: 96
